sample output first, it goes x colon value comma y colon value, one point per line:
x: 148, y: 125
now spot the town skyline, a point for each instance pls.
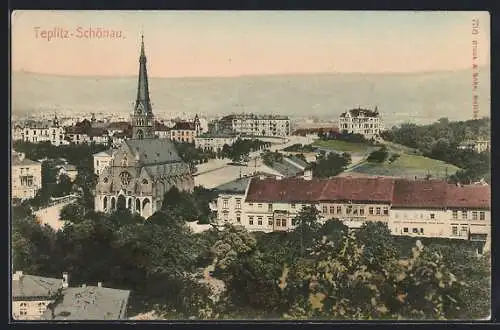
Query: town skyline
x: 201, y: 44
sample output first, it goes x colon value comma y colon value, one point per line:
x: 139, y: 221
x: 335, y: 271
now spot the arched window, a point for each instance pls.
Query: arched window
x: 105, y: 203
x: 129, y: 204
x: 113, y: 203
x: 138, y: 205
x: 105, y: 180
x: 144, y: 181
x: 140, y: 134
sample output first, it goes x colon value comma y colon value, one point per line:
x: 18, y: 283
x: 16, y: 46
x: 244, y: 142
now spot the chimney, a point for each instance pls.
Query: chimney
x: 65, y: 280
x: 99, y: 284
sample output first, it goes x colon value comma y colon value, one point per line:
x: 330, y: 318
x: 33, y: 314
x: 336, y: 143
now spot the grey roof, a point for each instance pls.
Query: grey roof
x: 286, y: 169
x: 35, y: 286
x: 236, y: 186
x: 167, y: 169
x: 90, y: 303
x: 154, y: 151
x: 298, y: 161
x: 16, y: 161
x: 108, y: 152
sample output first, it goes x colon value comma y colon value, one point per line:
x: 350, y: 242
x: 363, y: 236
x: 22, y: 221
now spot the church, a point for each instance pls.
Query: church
x: 144, y: 167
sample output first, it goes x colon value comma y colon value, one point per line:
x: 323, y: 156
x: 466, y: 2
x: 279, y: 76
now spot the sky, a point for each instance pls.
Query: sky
x: 235, y: 43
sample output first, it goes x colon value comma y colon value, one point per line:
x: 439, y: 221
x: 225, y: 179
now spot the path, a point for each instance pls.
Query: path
x: 50, y: 215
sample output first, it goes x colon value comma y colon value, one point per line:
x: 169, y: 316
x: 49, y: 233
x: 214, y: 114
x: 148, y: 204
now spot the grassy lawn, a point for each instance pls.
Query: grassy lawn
x: 409, y: 166
x: 342, y: 146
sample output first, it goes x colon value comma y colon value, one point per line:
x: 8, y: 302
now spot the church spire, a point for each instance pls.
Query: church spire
x: 142, y: 103
x: 142, y: 122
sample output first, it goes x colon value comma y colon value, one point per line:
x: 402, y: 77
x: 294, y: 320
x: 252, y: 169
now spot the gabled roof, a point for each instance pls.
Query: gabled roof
x: 237, y: 186
x: 105, y: 153
x: 184, y: 125
x: 423, y: 193
x: 16, y: 161
x: 360, y: 112
x: 90, y: 303
x: 34, y: 286
x: 358, y: 189
x: 153, y: 151
x: 67, y: 167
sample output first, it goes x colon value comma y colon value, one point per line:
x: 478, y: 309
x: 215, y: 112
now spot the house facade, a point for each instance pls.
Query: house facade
x: 255, y: 125
x: 31, y: 295
x: 214, y: 142
x: 427, y: 208
x: 102, y: 160
x: 361, y: 121
x: 186, y: 131
x: 26, y: 177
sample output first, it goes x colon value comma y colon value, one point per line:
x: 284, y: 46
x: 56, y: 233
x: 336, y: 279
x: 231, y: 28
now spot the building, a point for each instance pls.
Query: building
x: 433, y: 209
x: 90, y: 303
x: 254, y: 125
x: 230, y: 200
x: 40, y: 132
x: 68, y: 170
x: 478, y: 145
x: 26, y: 177
x: 102, y: 160
x: 361, y: 121
x: 162, y: 131
x: 186, y: 131
x: 427, y: 208
x: 214, y: 142
x: 31, y: 295
x: 143, y: 168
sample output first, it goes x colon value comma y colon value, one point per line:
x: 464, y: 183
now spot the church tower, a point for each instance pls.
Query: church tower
x: 142, y: 118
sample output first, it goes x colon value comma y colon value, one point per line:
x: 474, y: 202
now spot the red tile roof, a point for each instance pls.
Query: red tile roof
x: 401, y: 193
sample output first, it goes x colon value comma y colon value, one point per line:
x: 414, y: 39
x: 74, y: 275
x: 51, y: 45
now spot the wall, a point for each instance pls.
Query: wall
x: 20, y: 191
x: 29, y: 309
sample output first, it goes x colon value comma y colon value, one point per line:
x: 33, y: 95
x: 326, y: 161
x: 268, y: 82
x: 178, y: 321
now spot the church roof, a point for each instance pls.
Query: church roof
x: 153, y: 151
x: 175, y: 169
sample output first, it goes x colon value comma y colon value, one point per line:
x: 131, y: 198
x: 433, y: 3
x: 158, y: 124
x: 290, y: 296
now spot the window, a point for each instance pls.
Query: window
x: 465, y: 231
x: 421, y: 230
x: 225, y: 203
x: 332, y: 209
x: 260, y: 206
x: 433, y: 216
x: 482, y: 215
x: 97, y: 163
x: 293, y: 206
x: 270, y: 221
x: 283, y: 222
x: 455, y: 214
x: 269, y: 207
x: 144, y: 181
x: 454, y: 231
x: 226, y: 215
x: 250, y: 204
x: 370, y: 210
x: 238, y: 203
x: 415, y: 230
x: 325, y: 209
x: 405, y: 230
x: 474, y: 215
x: 464, y: 215
x: 250, y: 220
x: 362, y: 211
x: 339, y: 210
x: 238, y: 218
x: 378, y: 210
x: 259, y: 221
x: 355, y: 210
x: 278, y: 222
x: 348, y: 210
x: 386, y: 210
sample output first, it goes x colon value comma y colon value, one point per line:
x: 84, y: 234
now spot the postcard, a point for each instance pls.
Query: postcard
x: 250, y: 165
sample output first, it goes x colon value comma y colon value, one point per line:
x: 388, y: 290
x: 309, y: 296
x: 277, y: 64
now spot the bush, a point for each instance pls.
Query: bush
x: 378, y: 156
x: 394, y: 157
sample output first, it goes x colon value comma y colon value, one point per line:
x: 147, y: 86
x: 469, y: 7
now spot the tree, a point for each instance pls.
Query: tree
x: 378, y: 244
x: 307, y: 227
x: 378, y: 156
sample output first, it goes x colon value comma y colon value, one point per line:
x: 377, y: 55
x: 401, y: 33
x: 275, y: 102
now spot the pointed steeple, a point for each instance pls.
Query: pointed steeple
x: 142, y: 118
x: 142, y: 103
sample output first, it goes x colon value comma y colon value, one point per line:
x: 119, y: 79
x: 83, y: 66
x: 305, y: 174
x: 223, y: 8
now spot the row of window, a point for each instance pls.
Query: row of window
x: 464, y: 231
x: 278, y: 222
x: 482, y: 215
x: 356, y: 210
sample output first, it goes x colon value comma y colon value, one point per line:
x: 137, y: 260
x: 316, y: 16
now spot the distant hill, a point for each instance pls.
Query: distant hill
x: 400, y: 97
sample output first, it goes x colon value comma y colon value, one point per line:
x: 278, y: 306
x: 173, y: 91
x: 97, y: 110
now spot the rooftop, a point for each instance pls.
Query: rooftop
x: 26, y: 286
x: 361, y: 113
x: 236, y: 186
x: 90, y: 303
x: 22, y: 161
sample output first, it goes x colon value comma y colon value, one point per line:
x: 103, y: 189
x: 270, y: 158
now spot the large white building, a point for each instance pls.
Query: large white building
x: 214, y: 142
x: 102, y: 160
x: 40, y: 132
x: 425, y: 208
x: 361, y: 121
x: 26, y: 177
x: 254, y: 125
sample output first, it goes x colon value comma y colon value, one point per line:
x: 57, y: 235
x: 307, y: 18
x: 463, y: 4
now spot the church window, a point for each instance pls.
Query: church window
x: 144, y: 181
x: 124, y: 160
x: 125, y: 178
x: 105, y: 180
